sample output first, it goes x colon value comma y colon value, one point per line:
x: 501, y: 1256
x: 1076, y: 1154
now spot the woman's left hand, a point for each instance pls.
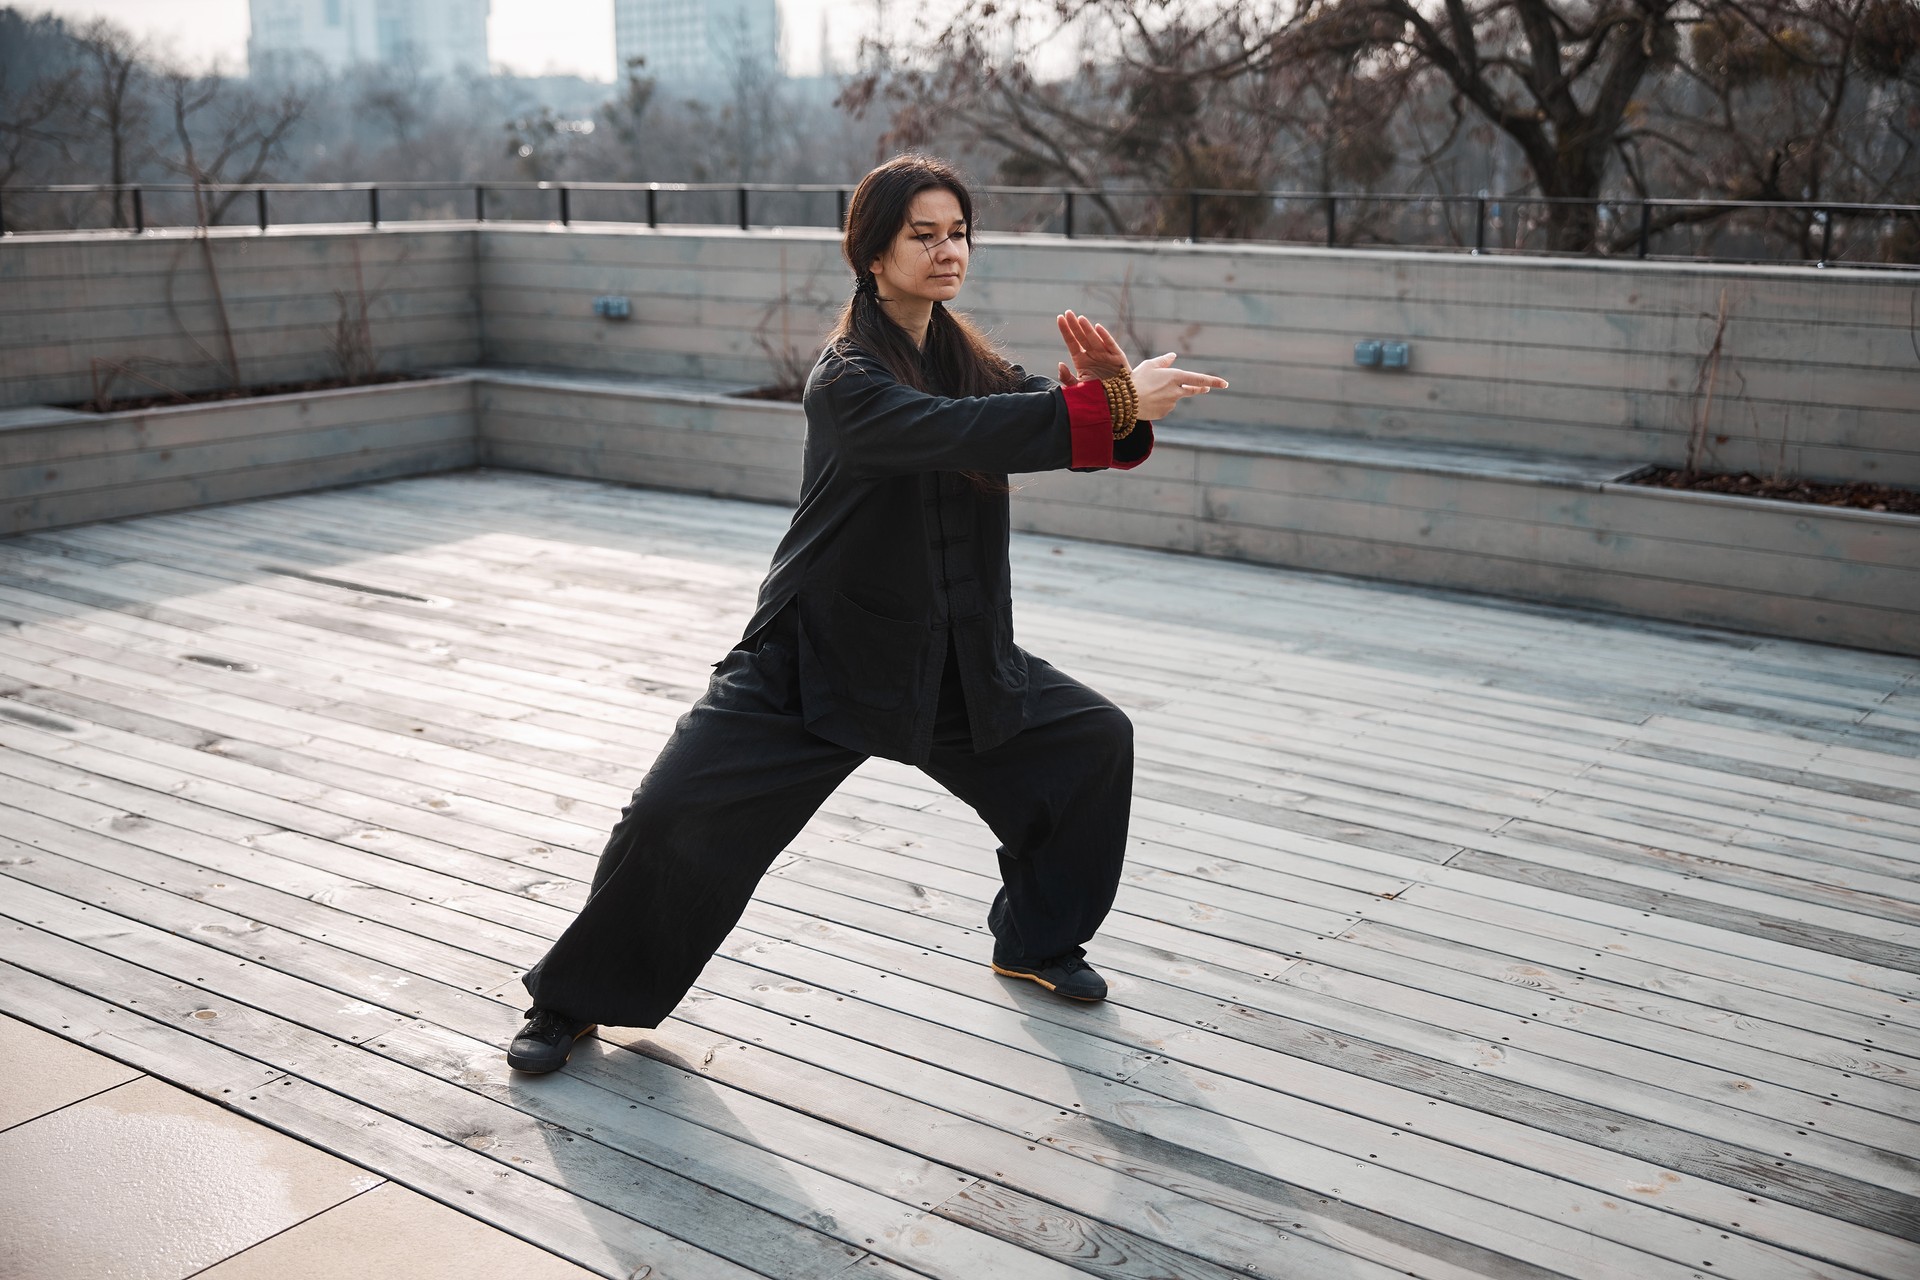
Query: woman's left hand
x: 1095, y: 354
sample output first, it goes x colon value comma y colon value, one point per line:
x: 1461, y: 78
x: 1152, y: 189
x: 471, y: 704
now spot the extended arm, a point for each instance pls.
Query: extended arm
x: 884, y: 427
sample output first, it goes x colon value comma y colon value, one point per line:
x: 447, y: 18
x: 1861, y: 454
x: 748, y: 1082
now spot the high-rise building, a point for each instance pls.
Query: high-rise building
x: 696, y: 44
x: 436, y: 36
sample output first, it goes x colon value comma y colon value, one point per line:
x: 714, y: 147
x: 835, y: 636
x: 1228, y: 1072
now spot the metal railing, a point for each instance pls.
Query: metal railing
x: 1629, y: 225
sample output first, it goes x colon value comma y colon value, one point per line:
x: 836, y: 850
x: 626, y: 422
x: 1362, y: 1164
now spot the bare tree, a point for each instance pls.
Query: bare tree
x: 1149, y: 99
x: 32, y: 120
x: 219, y: 126
x: 1798, y: 101
x: 1597, y: 99
x: 625, y: 116
x: 227, y: 134
x: 114, y: 105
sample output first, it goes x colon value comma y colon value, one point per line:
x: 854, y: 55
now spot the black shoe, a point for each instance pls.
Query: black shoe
x: 546, y: 1041
x: 1067, y: 975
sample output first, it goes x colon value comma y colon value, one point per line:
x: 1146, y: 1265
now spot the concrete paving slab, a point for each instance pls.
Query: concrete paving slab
x: 148, y: 1182
x: 393, y: 1230
x: 44, y: 1072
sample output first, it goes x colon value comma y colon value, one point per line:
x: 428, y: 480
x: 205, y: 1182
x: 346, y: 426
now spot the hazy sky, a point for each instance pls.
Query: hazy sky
x: 529, y: 37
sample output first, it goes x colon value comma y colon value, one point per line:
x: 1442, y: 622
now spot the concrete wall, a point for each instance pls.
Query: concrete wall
x: 71, y: 304
x: 1818, y: 369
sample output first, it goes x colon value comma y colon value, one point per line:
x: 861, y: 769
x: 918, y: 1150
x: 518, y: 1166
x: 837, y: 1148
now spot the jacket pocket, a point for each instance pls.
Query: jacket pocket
x: 863, y: 656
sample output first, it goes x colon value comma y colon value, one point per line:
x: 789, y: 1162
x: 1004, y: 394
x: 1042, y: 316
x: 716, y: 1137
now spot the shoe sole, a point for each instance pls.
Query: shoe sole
x: 1034, y: 977
x: 539, y: 1068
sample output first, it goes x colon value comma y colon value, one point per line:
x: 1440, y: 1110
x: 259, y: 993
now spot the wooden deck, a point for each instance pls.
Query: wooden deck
x: 1459, y: 938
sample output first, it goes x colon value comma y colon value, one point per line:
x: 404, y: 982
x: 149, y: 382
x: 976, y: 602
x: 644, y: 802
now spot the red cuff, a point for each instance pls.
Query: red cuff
x: 1090, y: 423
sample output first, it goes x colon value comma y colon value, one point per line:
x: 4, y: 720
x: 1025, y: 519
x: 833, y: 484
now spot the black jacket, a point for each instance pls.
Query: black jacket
x: 891, y: 551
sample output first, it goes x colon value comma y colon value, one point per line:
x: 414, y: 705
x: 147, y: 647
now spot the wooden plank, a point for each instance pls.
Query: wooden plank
x: 1284, y: 1119
x: 231, y: 751
x: 1698, y: 603
x: 1816, y: 570
x: 430, y: 855
x: 1501, y: 1058
x: 1500, y: 366
x: 1554, y: 874
x: 1646, y: 512
x: 1790, y: 724
x: 97, y: 258
x: 377, y: 991
x: 1588, y: 1004
x: 267, y: 356
x: 136, y: 1041
x: 745, y: 1174
x: 565, y: 1221
x: 830, y: 1070
x: 1681, y: 290
x: 51, y: 484
x: 180, y: 426
x: 284, y: 319
x: 235, y: 486
x: 448, y: 1054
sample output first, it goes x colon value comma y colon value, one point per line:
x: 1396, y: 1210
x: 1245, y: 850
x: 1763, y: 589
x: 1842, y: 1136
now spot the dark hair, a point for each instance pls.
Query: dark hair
x: 957, y: 360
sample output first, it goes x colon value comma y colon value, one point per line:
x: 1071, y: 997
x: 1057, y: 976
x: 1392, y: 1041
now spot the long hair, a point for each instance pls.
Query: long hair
x: 957, y: 360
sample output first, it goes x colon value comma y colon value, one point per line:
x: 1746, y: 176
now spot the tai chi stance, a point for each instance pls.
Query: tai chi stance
x: 885, y: 628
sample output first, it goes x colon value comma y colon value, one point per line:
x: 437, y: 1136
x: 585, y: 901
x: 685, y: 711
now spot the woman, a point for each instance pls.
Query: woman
x: 884, y: 628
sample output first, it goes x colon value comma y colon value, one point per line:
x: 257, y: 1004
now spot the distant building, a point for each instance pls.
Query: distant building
x: 436, y: 36
x: 695, y: 44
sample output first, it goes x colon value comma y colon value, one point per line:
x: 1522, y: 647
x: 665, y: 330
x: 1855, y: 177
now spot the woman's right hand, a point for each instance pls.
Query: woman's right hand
x: 1159, y: 386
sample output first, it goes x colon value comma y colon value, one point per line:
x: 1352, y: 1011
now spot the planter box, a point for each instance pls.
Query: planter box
x: 1563, y: 532
x: 1558, y: 530
x: 660, y: 433
x: 63, y: 468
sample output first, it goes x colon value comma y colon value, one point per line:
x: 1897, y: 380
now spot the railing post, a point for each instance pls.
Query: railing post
x: 743, y: 208
x: 139, y: 212
x: 1826, y: 236
x: 1067, y: 216
x: 479, y: 204
x: 373, y: 206
x: 566, y: 209
x: 1479, y: 224
x: 1333, y: 221
x: 1193, y: 217
x: 653, y: 206
x: 1646, y: 227
x: 260, y: 206
x: 840, y: 205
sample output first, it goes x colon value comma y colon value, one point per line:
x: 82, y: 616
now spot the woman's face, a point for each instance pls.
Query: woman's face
x: 928, y: 257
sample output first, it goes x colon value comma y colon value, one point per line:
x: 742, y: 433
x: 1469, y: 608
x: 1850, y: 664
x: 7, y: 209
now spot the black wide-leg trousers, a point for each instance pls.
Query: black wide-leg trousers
x: 739, y: 778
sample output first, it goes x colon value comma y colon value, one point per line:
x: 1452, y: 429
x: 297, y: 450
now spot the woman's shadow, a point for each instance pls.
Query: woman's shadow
x: 636, y: 1125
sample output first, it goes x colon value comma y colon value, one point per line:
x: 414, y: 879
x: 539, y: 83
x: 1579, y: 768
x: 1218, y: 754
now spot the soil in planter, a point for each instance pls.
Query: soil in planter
x: 239, y: 393
x: 1859, y: 493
